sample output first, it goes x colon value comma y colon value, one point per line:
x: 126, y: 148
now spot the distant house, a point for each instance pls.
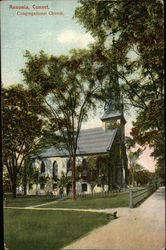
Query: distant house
x: 106, y: 140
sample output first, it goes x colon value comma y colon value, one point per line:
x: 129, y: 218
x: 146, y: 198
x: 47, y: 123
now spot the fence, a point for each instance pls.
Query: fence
x: 134, y: 195
x: 137, y: 196
x: 102, y: 194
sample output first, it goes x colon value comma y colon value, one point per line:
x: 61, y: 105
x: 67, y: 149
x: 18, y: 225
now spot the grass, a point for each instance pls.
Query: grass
x: 28, y: 201
x: 48, y: 230
x: 114, y: 201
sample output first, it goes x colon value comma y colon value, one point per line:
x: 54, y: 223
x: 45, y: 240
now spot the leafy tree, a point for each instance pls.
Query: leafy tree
x: 22, y: 129
x: 143, y: 177
x: 103, y: 166
x: 98, y: 170
x: 92, y: 171
x: 133, y: 165
x: 69, y: 86
x: 133, y: 157
x: 63, y: 181
x: 137, y: 30
x: 36, y: 178
x: 6, y: 181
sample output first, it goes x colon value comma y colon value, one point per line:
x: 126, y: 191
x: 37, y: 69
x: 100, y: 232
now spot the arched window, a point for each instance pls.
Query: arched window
x: 69, y: 165
x: 55, y: 171
x: 42, y: 169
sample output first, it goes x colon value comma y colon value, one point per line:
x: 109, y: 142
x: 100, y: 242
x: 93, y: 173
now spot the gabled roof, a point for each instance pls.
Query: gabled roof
x: 91, y: 141
x: 114, y: 114
x: 111, y: 115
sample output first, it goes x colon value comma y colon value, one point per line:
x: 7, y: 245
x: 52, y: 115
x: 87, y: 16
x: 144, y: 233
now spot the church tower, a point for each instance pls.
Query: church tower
x: 113, y: 118
x: 113, y: 109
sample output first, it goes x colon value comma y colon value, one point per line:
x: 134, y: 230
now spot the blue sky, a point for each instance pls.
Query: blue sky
x: 55, y: 34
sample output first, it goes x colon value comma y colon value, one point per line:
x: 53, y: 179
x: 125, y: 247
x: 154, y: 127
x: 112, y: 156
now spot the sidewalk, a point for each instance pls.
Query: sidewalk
x: 142, y: 228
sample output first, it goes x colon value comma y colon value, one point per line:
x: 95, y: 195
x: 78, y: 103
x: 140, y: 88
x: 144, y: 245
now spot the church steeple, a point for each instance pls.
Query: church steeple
x: 114, y: 79
x: 113, y: 108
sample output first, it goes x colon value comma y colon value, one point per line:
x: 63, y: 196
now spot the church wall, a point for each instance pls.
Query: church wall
x: 32, y: 189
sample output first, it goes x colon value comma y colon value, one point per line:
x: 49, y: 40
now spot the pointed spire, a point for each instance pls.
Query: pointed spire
x: 115, y: 79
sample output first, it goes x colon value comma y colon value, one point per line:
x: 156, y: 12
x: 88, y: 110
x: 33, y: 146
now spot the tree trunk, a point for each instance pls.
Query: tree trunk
x: 133, y: 177
x: 25, y: 180
x: 14, y: 180
x: 14, y: 189
x: 73, y: 178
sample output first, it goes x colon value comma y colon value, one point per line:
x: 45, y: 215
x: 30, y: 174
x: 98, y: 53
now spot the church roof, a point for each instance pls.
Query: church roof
x: 91, y: 141
x: 111, y: 115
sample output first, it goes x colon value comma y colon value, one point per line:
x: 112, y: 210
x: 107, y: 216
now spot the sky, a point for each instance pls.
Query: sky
x: 53, y: 30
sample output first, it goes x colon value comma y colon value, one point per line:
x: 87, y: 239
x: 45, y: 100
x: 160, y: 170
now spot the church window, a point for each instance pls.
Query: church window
x: 55, y: 171
x: 42, y: 170
x: 84, y: 187
x: 42, y: 186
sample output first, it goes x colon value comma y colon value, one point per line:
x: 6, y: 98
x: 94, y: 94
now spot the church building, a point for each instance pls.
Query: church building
x: 106, y: 140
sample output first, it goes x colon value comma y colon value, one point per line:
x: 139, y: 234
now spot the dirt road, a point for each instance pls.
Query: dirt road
x: 139, y: 228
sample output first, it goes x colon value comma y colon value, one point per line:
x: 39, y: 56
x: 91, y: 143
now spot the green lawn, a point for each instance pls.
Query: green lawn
x: 28, y: 201
x: 114, y: 201
x: 48, y: 230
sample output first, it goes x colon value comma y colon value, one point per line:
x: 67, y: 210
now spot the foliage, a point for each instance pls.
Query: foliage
x: 92, y: 171
x: 97, y: 170
x: 143, y: 177
x: 133, y: 157
x: 63, y: 181
x: 6, y: 181
x: 68, y: 86
x: 137, y: 30
x: 22, y: 129
x: 38, y: 178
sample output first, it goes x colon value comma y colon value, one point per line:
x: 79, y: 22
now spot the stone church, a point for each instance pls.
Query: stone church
x: 106, y: 140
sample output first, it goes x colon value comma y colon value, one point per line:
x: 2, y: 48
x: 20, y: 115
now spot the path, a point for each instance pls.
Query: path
x: 135, y: 229
x: 65, y: 209
x: 48, y: 203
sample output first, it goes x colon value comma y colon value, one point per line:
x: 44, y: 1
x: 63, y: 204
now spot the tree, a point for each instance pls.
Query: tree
x: 6, y: 181
x: 92, y: 171
x: 133, y: 165
x: 137, y: 30
x: 69, y: 86
x: 143, y: 176
x: 98, y: 170
x: 63, y: 181
x: 36, y: 178
x: 104, y: 171
x: 133, y: 157
x: 22, y: 129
